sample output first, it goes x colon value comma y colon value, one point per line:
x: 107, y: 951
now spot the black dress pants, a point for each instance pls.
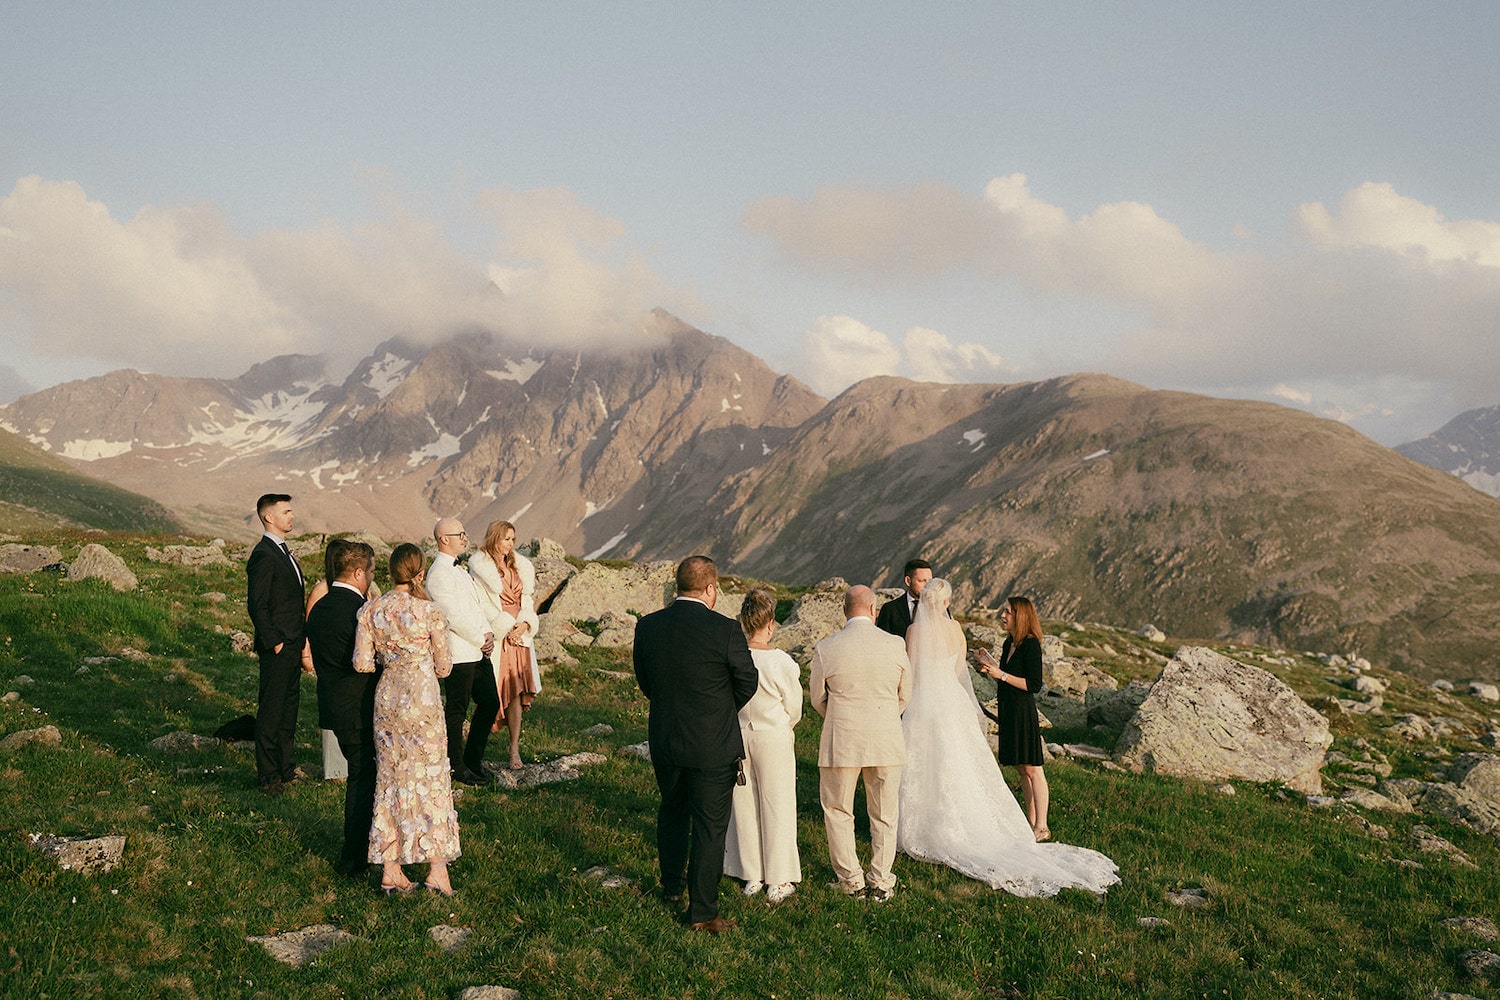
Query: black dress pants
x: 474, y: 680
x: 358, y: 748
x: 695, y: 804
x: 276, y: 714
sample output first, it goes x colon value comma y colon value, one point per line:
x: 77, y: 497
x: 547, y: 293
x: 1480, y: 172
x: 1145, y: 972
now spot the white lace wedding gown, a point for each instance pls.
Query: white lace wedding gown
x: 956, y: 809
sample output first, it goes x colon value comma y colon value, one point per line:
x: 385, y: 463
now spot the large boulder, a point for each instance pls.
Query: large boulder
x: 1471, y: 795
x: 1112, y: 708
x: 816, y: 615
x: 27, y: 558
x: 638, y: 589
x: 97, y: 562
x: 190, y: 555
x: 1212, y: 718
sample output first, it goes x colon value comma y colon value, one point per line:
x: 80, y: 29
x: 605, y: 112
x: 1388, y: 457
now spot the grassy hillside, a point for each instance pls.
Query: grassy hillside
x: 1304, y: 901
x: 38, y: 492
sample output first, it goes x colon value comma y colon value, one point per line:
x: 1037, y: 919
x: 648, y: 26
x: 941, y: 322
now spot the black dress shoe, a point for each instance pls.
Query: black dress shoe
x: 272, y: 788
x: 718, y: 925
x: 467, y: 777
x: 352, y: 869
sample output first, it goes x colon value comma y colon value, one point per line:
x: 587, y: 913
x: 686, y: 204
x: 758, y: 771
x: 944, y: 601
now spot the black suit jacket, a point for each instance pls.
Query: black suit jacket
x: 276, y: 600
x: 694, y: 666
x: 894, y: 616
x: 346, y: 700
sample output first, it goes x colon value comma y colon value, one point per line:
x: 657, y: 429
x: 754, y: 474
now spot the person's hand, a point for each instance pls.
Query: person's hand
x: 489, y: 644
x: 517, y: 635
x: 277, y: 647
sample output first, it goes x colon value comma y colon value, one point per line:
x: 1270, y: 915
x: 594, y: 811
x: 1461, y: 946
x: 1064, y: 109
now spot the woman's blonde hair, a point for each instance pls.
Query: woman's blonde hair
x: 759, y: 608
x: 492, y: 536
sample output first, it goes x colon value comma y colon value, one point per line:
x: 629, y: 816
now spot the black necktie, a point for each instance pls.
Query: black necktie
x: 295, y: 568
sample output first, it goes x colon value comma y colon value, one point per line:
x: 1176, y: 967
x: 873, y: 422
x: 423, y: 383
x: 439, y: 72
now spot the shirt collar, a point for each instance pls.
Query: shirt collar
x: 347, y: 586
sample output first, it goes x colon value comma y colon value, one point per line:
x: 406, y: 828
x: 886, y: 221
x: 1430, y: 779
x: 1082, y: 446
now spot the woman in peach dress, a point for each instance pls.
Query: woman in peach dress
x: 507, y: 582
x: 415, y: 821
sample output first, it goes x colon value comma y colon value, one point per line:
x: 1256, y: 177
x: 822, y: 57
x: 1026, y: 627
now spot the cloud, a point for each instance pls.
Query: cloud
x: 838, y: 351
x: 176, y: 288
x: 12, y: 385
x: 1382, y: 288
x: 1374, y: 215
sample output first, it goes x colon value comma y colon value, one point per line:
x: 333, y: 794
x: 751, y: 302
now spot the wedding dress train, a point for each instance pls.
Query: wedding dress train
x: 957, y: 810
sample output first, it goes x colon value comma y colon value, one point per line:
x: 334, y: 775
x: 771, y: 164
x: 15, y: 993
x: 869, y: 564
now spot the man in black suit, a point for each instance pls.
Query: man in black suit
x: 896, y: 615
x: 346, y: 699
x: 694, y: 667
x: 276, y: 602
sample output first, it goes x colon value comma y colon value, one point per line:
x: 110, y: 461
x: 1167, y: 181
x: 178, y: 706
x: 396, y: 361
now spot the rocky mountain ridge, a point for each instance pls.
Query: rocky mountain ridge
x: 1468, y: 446
x: 1102, y: 499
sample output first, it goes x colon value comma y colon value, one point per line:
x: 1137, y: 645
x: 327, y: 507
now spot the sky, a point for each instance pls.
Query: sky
x: 1289, y: 202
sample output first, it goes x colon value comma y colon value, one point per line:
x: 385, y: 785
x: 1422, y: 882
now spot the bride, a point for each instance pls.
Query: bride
x: 956, y: 810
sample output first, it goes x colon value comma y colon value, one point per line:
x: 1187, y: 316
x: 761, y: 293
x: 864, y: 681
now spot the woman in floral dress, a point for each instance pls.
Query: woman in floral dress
x: 414, y: 817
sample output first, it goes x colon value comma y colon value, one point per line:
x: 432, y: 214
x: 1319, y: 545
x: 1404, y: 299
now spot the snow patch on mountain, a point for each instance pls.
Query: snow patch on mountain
x: 516, y: 371
x: 92, y: 450
x: 386, y: 373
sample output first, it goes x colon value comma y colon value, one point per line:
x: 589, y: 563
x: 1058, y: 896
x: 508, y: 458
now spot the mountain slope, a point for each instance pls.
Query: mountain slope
x: 40, y: 492
x: 1106, y: 500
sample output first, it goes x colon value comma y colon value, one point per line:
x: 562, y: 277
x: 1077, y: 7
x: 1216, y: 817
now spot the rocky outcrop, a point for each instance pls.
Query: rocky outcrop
x: 816, y: 615
x: 1211, y: 718
x: 97, y: 562
x: 1113, y: 708
x: 1470, y: 795
x: 637, y: 589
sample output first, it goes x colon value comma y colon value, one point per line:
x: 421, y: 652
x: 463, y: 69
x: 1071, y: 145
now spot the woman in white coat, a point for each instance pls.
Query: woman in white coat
x: 507, y: 582
x: 761, y: 847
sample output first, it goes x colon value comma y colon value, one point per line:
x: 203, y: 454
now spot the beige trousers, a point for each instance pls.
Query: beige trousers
x: 762, y: 841
x: 836, y: 792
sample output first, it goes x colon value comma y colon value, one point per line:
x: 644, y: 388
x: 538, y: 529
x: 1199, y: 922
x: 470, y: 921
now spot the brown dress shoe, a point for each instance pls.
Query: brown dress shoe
x: 718, y: 925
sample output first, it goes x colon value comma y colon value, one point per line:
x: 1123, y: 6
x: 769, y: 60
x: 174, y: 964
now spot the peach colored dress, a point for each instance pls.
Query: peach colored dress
x: 414, y: 816
x: 513, y: 671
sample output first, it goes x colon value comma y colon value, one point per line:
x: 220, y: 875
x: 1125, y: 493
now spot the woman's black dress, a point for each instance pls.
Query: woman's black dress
x: 1020, y: 732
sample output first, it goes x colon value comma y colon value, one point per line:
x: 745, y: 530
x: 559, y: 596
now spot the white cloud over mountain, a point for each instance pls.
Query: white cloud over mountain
x: 1381, y: 288
x: 838, y: 351
x: 177, y: 288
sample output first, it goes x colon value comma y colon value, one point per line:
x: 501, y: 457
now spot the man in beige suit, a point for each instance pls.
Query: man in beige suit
x: 860, y: 684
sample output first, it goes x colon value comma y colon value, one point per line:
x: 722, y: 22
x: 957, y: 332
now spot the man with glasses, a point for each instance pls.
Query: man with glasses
x: 470, y: 641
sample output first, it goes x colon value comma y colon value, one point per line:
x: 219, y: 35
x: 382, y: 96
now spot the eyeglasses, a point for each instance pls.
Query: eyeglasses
x: 455, y: 534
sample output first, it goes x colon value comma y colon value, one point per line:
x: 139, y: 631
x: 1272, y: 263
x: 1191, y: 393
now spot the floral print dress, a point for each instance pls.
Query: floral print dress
x: 414, y: 816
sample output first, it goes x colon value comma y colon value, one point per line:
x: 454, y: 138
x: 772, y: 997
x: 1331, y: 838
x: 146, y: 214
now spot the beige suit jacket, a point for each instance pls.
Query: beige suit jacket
x: 860, y: 684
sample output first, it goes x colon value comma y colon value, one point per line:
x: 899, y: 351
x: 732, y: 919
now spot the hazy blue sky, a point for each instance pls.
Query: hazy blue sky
x: 1294, y: 202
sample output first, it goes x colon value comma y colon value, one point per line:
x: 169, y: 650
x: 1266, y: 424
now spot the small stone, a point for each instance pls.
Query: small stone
x: 82, y: 669
x: 10, y: 696
x: 23, y: 680
x: 1152, y: 922
x: 86, y: 855
x: 1480, y: 964
x: 299, y: 947
x: 489, y: 993
x: 1226, y: 789
x: 1483, y: 691
x: 1480, y: 927
x: 1441, y: 685
x: 450, y: 938
x: 241, y: 642
x: 617, y: 882
x: 601, y: 729
x: 215, y: 597
x: 1192, y: 899
x: 46, y: 736
x: 1152, y: 634
x: 183, y: 743
x: 641, y: 750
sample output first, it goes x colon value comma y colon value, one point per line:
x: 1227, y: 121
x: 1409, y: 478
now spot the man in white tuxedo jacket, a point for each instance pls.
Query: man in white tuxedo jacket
x: 860, y: 684
x: 471, y: 641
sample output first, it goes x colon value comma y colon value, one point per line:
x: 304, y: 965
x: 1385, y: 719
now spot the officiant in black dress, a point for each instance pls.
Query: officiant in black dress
x: 1018, y: 677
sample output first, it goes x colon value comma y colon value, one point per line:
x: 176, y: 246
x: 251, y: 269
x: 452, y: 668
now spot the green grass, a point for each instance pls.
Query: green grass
x: 1303, y: 903
x: 38, y: 490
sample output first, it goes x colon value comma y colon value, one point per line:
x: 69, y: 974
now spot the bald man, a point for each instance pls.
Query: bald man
x: 470, y: 641
x: 860, y: 684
